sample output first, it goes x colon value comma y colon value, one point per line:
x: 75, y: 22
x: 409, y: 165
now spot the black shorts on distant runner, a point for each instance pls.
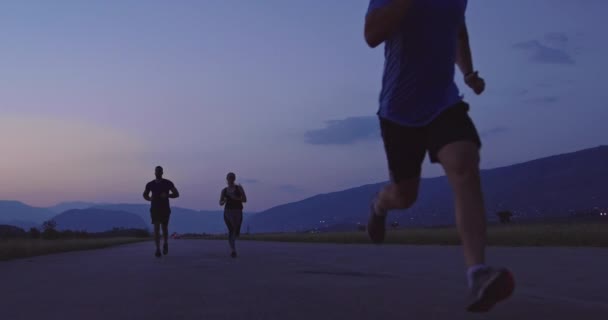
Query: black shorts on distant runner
x: 160, y: 216
x: 406, y: 147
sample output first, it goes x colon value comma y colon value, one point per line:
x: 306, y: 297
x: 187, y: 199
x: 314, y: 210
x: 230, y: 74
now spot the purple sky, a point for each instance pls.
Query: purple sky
x: 94, y: 94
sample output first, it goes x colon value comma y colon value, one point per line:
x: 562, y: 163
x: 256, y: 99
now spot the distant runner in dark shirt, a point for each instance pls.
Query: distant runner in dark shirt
x: 160, y: 210
x: 232, y: 198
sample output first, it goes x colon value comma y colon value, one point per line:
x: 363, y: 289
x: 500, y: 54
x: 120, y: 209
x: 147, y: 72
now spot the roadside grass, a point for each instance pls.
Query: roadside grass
x: 22, y: 248
x: 533, y: 234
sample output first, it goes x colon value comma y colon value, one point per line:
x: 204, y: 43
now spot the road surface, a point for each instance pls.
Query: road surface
x: 198, y: 280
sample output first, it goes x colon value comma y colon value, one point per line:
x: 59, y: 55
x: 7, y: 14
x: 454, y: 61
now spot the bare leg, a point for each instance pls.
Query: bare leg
x: 157, y: 235
x: 229, y: 220
x: 488, y: 285
x: 460, y: 161
x: 397, y: 196
x: 165, y: 233
x: 232, y: 241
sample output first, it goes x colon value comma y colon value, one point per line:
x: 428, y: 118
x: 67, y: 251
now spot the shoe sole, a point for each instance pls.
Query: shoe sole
x: 499, y: 288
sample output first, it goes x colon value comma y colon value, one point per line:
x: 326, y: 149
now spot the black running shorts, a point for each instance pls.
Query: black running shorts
x: 406, y: 147
x: 160, y: 216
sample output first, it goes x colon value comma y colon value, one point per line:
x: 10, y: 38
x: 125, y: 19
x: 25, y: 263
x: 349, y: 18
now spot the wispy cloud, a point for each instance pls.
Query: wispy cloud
x: 557, y: 39
x: 544, y: 100
x: 344, y: 132
x: 493, y: 131
x: 551, y: 50
x: 290, y: 188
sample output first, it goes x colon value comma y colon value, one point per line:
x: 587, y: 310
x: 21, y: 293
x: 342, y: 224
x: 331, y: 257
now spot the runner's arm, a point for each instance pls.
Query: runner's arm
x: 464, y: 58
x: 147, y: 193
x: 383, y: 18
x: 173, y: 192
x: 243, y: 195
x: 222, y: 198
x: 464, y: 61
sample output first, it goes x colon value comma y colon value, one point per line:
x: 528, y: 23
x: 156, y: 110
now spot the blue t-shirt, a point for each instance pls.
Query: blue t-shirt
x: 418, y: 81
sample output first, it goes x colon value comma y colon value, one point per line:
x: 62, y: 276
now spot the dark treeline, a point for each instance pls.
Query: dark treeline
x: 49, y: 232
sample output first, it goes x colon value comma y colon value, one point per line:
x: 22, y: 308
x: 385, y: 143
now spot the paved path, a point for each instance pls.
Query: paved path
x: 295, y: 281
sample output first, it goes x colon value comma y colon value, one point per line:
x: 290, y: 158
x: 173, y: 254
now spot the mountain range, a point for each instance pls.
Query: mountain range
x: 19, y: 214
x: 97, y: 220
x: 551, y: 187
x: 85, y: 216
x: 182, y: 220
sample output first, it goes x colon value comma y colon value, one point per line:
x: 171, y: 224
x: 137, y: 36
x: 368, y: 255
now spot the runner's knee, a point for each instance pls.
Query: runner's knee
x: 460, y: 162
x: 462, y: 170
x: 403, y: 195
x: 406, y: 200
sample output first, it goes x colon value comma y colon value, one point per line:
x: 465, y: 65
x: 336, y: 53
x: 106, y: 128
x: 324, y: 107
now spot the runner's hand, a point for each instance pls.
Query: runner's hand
x: 475, y: 82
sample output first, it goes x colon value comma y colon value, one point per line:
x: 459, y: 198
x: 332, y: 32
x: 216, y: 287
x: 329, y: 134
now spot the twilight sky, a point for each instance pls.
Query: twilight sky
x: 94, y: 94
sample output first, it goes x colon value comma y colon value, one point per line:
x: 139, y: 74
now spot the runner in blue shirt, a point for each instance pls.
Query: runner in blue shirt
x: 422, y: 111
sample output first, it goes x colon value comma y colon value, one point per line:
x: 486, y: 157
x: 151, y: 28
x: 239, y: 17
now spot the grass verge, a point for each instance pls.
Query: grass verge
x: 21, y: 248
x: 559, y: 235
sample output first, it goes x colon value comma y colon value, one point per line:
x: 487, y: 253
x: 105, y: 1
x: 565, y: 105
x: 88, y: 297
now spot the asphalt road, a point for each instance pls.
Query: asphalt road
x: 198, y: 280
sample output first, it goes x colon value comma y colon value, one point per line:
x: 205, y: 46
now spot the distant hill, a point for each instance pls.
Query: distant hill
x: 549, y: 187
x: 182, y: 220
x: 65, y: 206
x: 26, y: 225
x: 98, y: 220
x: 18, y: 213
